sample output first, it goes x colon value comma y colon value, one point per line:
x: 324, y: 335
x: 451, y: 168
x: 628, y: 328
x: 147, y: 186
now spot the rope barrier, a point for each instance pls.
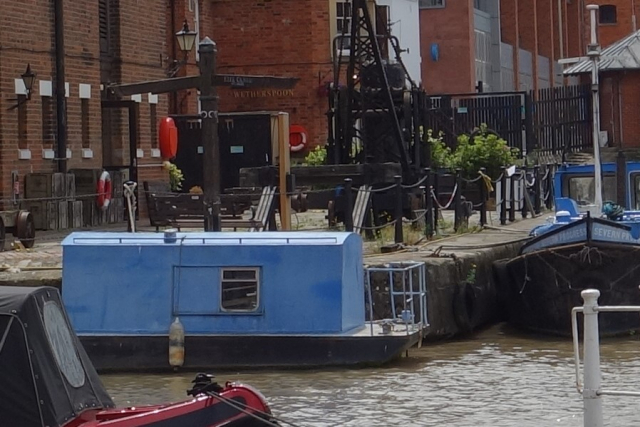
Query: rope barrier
x: 453, y: 193
x: 417, y: 184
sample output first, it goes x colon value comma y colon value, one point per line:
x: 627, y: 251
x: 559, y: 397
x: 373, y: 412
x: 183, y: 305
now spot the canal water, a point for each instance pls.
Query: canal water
x: 495, y: 378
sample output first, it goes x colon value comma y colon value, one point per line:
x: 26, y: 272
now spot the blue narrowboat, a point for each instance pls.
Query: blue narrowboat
x: 583, y: 246
x: 244, y: 300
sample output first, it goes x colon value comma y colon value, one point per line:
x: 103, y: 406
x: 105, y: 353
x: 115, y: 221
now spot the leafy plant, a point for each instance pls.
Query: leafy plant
x: 316, y: 157
x: 175, y: 176
x: 486, y: 150
x: 441, y: 155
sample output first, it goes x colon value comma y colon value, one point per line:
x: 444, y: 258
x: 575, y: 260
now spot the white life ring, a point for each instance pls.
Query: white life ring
x: 298, y: 130
x: 104, y: 191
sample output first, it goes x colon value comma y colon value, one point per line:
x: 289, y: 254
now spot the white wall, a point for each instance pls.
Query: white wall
x: 405, y: 20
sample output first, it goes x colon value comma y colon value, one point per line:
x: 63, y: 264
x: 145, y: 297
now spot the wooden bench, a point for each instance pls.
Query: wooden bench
x: 186, y: 210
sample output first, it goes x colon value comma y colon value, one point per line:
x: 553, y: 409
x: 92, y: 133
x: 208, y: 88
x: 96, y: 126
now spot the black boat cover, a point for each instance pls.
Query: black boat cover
x: 46, y: 378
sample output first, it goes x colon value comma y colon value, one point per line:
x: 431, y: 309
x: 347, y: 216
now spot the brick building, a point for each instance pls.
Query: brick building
x: 104, y: 42
x: 287, y: 38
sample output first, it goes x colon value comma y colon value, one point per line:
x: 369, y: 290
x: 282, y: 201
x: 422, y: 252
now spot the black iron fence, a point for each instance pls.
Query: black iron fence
x: 556, y: 121
x: 524, y: 191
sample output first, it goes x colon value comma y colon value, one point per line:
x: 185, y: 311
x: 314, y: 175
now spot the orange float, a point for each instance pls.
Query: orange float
x: 168, y: 138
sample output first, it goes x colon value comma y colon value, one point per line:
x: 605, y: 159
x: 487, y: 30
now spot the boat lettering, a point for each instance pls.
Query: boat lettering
x: 563, y: 237
x: 612, y: 234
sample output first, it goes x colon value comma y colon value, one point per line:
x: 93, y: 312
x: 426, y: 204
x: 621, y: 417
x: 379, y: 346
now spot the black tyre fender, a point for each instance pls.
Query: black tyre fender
x: 464, y: 300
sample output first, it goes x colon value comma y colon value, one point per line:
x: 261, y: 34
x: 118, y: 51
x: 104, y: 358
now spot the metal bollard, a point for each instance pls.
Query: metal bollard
x: 436, y: 193
x: 483, y: 198
x: 592, y: 376
x: 503, y: 197
x: 348, y: 204
x: 457, y: 207
x: 429, y: 220
x: 399, y: 238
x: 536, y: 190
x: 512, y: 196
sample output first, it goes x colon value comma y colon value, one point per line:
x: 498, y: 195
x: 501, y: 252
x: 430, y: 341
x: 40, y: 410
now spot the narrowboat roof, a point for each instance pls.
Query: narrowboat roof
x: 47, y: 377
x: 297, y: 238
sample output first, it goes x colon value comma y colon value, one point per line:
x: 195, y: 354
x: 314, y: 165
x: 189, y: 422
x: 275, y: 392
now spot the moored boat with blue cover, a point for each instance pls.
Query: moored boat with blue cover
x: 245, y: 300
x: 580, y: 248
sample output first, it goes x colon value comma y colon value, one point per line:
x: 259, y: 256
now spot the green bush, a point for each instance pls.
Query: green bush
x: 485, y: 150
x: 441, y: 155
x: 316, y: 157
x: 175, y: 178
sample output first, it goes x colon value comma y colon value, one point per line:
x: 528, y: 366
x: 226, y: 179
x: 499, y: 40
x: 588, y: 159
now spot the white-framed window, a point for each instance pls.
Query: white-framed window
x: 239, y: 289
x: 432, y: 4
x: 343, y: 23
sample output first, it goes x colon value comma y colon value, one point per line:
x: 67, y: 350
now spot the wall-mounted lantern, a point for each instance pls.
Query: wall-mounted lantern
x: 28, y: 78
x: 186, y: 39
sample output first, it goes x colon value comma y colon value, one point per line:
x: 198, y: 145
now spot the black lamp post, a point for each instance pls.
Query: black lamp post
x: 28, y: 78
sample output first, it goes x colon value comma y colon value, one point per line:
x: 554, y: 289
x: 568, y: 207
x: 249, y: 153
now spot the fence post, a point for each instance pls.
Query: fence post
x: 457, y: 208
x: 348, y: 204
x: 429, y: 228
x: 512, y: 196
x: 483, y: 198
x: 503, y: 197
x: 399, y: 238
x: 592, y: 375
x: 536, y: 189
x: 436, y: 195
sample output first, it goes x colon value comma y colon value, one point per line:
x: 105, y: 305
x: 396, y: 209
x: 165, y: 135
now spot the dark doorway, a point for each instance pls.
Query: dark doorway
x: 114, y: 122
x: 245, y: 141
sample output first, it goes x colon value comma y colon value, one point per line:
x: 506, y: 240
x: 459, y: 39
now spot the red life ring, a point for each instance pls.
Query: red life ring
x: 168, y: 138
x: 297, y: 138
x: 104, y: 191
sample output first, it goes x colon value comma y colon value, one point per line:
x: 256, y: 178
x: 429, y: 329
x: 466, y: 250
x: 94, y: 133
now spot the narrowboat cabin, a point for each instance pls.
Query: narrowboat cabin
x: 243, y: 300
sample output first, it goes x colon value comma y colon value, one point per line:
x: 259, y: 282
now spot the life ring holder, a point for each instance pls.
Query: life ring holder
x: 298, y: 130
x: 104, y: 191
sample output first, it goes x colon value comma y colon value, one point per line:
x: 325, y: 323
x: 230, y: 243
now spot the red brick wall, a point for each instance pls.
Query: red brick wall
x: 451, y: 28
x: 630, y: 93
x: 285, y: 38
x: 142, y: 55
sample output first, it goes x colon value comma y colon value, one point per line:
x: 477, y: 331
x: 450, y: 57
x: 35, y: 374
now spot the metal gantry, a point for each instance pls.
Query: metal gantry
x: 372, y: 115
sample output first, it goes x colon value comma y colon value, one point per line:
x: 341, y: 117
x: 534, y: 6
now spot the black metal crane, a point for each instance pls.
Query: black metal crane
x: 373, y: 116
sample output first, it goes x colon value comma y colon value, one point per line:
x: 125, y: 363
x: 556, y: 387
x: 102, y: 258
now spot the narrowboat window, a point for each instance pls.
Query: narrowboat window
x: 582, y: 189
x: 240, y: 288
x: 62, y: 344
x: 636, y: 191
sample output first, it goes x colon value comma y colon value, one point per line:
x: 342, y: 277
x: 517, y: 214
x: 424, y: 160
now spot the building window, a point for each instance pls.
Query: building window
x: 23, y: 136
x: 343, y: 23
x: 608, y: 14
x: 48, y: 122
x: 85, y: 123
x: 153, y: 117
x: 431, y: 4
x: 240, y: 289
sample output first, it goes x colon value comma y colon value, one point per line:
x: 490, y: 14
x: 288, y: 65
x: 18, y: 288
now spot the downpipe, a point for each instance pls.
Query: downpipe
x: 61, y: 96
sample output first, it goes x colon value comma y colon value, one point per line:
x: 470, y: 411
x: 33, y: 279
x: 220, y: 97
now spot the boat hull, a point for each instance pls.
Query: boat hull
x: 540, y: 288
x: 110, y: 353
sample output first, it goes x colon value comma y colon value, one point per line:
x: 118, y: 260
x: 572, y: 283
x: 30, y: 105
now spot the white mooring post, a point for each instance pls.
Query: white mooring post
x: 592, y: 377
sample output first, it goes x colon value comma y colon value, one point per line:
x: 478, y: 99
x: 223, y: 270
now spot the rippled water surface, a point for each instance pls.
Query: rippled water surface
x: 496, y: 378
